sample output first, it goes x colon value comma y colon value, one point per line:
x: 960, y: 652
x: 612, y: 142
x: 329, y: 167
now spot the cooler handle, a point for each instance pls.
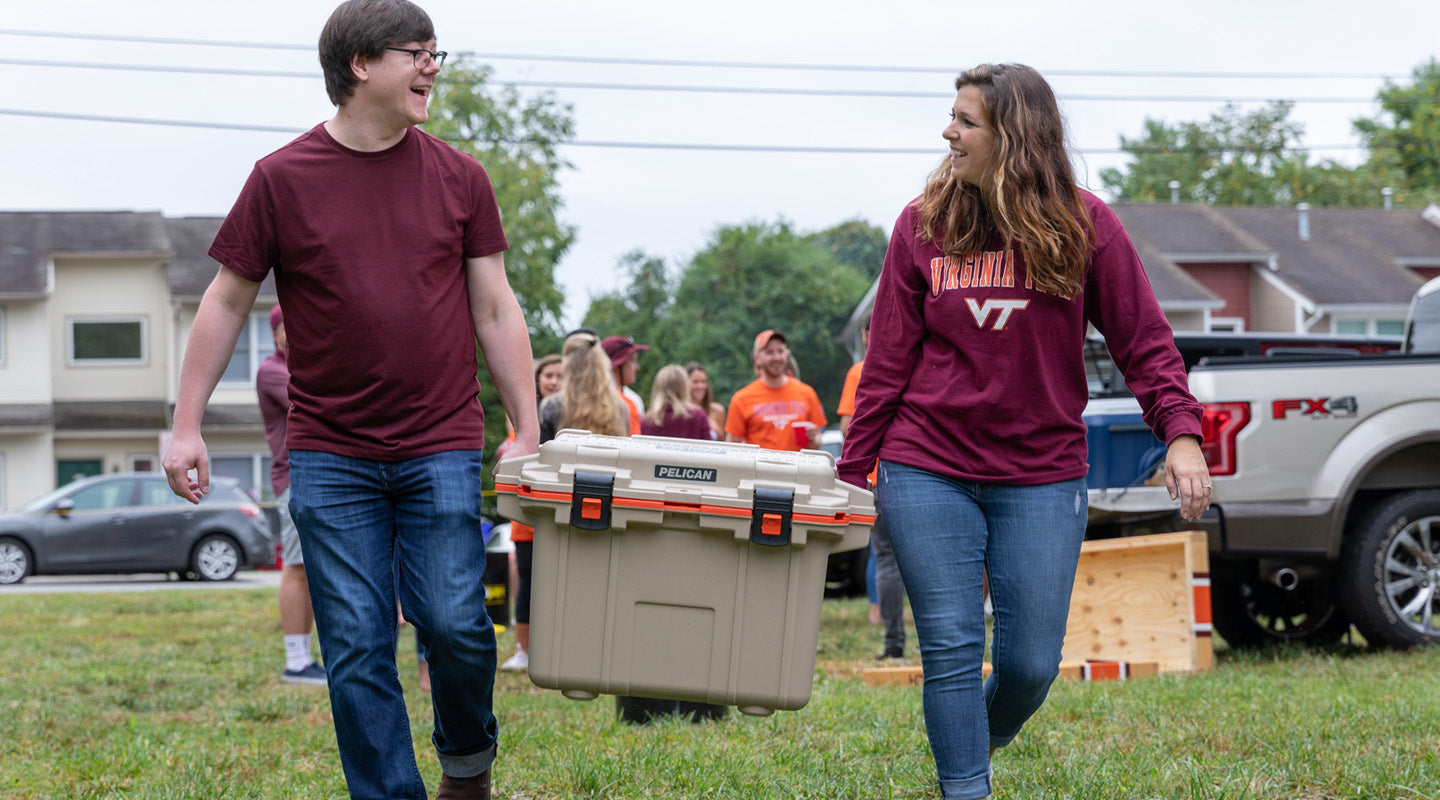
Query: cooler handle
x: 770, y: 519
x: 591, y: 500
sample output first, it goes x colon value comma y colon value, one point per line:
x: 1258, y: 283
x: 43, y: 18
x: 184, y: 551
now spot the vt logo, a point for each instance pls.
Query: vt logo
x: 981, y: 311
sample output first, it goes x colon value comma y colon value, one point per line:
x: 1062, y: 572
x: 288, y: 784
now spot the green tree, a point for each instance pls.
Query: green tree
x: 1236, y: 158
x: 1255, y: 158
x: 1406, y: 137
x: 757, y: 276
x: 748, y: 278
x: 856, y: 244
x: 517, y: 139
x: 642, y: 310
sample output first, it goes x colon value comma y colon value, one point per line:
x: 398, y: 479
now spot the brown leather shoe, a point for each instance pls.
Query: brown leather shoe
x: 476, y: 788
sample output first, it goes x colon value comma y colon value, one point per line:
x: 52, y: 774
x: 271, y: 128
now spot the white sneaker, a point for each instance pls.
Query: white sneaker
x: 520, y: 662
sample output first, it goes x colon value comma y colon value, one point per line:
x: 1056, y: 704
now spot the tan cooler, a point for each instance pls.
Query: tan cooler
x: 679, y: 569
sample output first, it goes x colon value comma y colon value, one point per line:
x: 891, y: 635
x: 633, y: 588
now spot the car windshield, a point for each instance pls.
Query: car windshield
x: 44, y: 501
x: 153, y: 492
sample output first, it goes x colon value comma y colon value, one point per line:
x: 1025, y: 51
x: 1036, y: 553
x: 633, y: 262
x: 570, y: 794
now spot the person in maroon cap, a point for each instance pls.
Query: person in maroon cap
x: 624, y: 355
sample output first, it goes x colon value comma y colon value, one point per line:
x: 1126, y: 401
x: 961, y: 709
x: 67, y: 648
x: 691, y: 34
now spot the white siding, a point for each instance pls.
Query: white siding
x: 29, y: 468
x: 1270, y: 309
x: 26, y: 368
x: 87, y: 289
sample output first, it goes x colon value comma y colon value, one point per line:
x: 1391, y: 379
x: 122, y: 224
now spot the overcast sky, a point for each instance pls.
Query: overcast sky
x: 1331, y: 57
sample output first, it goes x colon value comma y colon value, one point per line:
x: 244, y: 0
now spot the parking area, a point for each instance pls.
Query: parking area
x: 144, y: 582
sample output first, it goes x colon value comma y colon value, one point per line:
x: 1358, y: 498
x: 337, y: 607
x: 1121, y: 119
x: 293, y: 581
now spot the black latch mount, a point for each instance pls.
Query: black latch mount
x: 770, y: 519
x: 591, y: 499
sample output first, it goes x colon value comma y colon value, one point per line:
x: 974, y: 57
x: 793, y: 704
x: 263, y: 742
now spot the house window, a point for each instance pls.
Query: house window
x: 255, y: 344
x: 107, y: 341
x: 1369, y: 327
x: 251, y: 470
x: 1226, y: 325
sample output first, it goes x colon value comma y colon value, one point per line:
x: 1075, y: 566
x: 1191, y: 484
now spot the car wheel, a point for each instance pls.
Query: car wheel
x: 216, y: 558
x: 1250, y: 612
x: 1391, y: 570
x: 15, y: 560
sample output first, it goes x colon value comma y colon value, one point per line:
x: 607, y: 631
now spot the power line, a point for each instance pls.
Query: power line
x: 679, y: 88
x: 764, y: 65
x: 187, y: 70
x: 108, y: 37
x: 694, y: 146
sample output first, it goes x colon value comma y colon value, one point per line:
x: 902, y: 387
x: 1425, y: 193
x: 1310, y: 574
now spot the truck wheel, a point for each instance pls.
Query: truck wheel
x: 1250, y: 612
x: 1391, y: 570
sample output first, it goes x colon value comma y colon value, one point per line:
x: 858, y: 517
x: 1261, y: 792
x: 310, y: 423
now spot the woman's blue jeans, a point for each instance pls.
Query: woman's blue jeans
x: 947, y: 534
x: 360, y: 521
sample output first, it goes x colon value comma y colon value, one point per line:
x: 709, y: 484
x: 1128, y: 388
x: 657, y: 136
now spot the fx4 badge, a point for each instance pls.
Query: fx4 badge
x: 1317, y: 408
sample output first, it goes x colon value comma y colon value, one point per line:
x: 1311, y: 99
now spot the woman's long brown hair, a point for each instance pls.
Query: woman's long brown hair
x: 1028, y: 194
x: 590, y: 401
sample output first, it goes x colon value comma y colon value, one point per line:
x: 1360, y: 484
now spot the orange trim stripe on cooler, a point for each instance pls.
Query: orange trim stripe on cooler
x: 840, y: 518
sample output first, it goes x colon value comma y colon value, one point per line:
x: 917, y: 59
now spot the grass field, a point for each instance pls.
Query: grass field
x: 178, y: 695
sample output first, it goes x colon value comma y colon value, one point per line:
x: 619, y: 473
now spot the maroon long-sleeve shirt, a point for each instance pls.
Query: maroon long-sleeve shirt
x: 974, y: 374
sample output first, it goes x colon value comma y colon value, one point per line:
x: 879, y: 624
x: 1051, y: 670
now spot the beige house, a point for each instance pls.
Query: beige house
x: 1292, y: 270
x: 95, y: 308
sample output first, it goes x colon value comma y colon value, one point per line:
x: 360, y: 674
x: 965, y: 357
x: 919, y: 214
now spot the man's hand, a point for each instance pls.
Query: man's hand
x: 184, y: 454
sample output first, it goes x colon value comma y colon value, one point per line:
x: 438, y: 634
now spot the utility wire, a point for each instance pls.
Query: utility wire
x: 688, y: 89
x: 661, y: 62
x: 696, y: 146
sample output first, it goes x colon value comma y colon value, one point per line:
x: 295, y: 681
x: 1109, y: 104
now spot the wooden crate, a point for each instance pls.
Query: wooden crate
x: 1142, y: 599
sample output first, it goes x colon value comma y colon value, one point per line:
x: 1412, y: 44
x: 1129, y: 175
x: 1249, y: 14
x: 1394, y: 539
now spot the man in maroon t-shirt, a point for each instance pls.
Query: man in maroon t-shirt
x: 388, y: 257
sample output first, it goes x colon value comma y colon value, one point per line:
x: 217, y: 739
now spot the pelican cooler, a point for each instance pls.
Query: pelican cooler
x: 679, y: 569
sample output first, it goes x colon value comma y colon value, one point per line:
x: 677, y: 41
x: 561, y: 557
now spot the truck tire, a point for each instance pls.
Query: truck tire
x: 1390, y: 570
x: 1249, y: 612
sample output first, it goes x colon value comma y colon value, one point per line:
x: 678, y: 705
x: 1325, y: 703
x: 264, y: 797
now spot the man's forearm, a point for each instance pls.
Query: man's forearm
x: 218, y: 322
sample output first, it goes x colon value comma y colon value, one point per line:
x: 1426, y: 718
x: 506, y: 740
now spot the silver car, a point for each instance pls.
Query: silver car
x: 132, y: 522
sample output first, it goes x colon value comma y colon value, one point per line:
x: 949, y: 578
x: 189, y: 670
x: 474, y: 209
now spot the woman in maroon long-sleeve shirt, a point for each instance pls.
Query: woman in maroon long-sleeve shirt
x: 971, y: 400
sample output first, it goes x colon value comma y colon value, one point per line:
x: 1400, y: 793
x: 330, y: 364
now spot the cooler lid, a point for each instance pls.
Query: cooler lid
x: 690, y: 475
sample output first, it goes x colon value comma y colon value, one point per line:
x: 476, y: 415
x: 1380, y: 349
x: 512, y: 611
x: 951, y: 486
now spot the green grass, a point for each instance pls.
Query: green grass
x: 177, y: 695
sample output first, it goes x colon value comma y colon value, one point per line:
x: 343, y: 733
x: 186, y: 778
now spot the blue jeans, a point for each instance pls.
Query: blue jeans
x: 947, y: 533
x: 360, y: 521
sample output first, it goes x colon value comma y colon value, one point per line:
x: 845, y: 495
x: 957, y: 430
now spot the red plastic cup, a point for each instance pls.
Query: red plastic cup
x: 802, y: 435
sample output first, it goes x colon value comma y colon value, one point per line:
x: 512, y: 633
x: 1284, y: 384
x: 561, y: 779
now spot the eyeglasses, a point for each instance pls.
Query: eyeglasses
x: 423, y: 58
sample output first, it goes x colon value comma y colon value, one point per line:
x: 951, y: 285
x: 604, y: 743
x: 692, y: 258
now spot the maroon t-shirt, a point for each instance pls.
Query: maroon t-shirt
x: 692, y: 425
x: 369, y: 256
x: 973, y: 374
x: 272, y: 384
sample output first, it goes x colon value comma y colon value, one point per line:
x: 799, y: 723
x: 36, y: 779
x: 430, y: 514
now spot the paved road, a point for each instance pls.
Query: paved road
x: 148, y: 582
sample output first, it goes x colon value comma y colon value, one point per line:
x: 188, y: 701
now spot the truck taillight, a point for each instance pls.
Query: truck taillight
x: 1220, y: 425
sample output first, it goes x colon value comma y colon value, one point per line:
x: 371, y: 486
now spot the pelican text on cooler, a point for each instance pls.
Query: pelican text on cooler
x: 671, y: 472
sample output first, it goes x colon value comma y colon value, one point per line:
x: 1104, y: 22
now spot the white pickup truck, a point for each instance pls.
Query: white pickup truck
x: 1327, y: 491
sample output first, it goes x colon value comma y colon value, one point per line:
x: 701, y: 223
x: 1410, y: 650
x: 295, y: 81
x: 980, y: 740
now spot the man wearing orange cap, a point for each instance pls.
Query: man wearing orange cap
x: 775, y: 411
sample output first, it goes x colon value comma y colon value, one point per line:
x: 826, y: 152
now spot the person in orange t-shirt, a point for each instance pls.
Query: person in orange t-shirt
x: 769, y: 410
